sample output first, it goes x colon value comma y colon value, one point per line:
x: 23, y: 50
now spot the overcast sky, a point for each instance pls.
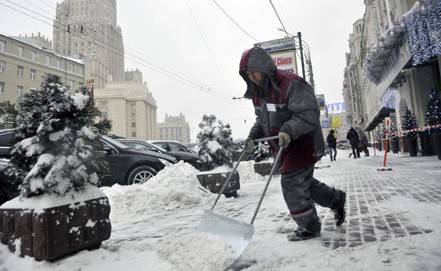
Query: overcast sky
x: 196, y: 40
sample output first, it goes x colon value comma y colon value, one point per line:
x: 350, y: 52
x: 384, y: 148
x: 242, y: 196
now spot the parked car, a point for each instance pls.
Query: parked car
x: 126, y: 166
x: 343, y: 144
x: 171, y: 145
x: 6, y: 138
x: 194, y: 147
x: 8, y: 190
x: 189, y: 157
x: 237, y: 152
x: 129, y: 166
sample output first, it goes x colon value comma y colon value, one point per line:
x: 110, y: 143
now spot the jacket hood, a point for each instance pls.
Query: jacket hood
x: 257, y: 59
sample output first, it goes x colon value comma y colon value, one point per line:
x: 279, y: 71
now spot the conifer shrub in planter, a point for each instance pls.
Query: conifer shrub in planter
x: 410, y: 123
x: 433, y: 118
x: 261, y: 155
x: 60, y: 209
x: 393, y: 140
x: 216, y: 155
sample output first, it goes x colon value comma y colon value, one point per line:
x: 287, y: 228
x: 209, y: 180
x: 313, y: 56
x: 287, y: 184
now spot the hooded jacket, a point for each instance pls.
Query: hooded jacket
x: 283, y: 102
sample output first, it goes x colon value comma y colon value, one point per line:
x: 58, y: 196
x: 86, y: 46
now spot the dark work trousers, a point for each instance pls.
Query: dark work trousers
x: 300, y: 191
x: 333, y: 153
x: 355, y: 150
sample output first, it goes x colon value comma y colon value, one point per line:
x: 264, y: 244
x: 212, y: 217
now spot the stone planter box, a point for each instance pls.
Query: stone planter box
x: 394, y: 146
x: 426, y: 146
x: 412, y: 145
x: 263, y: 169
x: 54, y: 232
x: 215, y: 181
x: 437, y: 144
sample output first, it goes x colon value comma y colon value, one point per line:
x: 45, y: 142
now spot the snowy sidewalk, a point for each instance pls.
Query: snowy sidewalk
x: 370, y: 215
x: 393, y: 223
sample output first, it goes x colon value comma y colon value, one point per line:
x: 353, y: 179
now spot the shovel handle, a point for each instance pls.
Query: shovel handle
x: 279, y: 153
x: 229, y: 177
x: 235, y: 168
x: 266, y: 138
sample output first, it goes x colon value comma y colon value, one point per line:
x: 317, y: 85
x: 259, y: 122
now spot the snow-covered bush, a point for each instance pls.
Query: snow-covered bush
x: 56, y: 148
x: 215, y: 143
x: 261, y: 152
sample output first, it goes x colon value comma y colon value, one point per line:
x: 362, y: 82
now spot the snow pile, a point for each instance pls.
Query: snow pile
x: 201, y: 251
x: 172, y: 188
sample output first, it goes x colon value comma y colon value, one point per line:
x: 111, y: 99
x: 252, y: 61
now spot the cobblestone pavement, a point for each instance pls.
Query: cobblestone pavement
x: 370, y: 217
x: 368, y: 190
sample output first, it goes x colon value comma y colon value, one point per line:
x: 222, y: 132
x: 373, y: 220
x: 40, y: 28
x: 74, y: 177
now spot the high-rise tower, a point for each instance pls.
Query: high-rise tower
x: 88, y: 30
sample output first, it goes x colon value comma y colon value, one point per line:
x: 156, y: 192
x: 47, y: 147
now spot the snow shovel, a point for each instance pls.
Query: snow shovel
x: 235, y: 233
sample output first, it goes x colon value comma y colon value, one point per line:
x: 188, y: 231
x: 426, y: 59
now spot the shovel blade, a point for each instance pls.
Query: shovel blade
x: 236, y: 234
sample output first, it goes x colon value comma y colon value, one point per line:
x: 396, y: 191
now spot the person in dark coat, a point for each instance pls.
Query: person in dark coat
x: 363, y: 142
x: 354, y: 140
x: 332, y: 145
x: 285, y: 105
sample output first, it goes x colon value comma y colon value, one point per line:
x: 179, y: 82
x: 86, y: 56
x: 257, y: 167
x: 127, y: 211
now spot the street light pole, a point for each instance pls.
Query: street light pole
x: 299, y: 35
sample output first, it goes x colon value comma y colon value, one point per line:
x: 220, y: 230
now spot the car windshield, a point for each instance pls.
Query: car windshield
x: 146, y: 145
x: 157, y: 147
x: 114, y: 142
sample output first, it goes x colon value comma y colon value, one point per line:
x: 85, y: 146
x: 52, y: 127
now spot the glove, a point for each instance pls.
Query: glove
x: 284, y: 140
x: 249, y: 144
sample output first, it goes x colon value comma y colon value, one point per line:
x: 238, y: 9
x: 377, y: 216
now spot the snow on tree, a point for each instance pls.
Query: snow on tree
x: 215, y: 143
x: 261, y: 152
x: 409, y: 123
x: 433, y: 112
x: 56, y: 148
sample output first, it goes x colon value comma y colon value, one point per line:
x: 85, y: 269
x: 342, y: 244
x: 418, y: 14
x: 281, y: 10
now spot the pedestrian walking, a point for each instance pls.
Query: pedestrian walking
x: 363, y: 142
x: 332, y: 145
x: 285, y: 105
x: 354, y: 140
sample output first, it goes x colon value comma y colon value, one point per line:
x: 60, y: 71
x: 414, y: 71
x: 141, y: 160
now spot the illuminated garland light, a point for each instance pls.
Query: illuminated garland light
x: 423, y: 30
x: 422, y: 24
x: 389, y: 98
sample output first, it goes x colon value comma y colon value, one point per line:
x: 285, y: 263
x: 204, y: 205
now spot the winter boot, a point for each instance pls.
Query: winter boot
x: 339, y: 210
x: 301, y: 234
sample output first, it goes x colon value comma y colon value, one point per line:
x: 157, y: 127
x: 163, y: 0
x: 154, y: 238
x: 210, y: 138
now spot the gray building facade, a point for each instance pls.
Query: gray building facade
x: 88, y: 30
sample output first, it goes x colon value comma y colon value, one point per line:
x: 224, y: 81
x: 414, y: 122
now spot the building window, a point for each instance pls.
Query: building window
x: 102, y: 104
x: 133, y: 124
x: 19, y: 90
x: 2, y: 87
x: 2, y: 45
x: 33, y: 74
x: 70, y: 68
x: 133, y: 134
x: 58, y: 63
x: 81, y: 71
x: 71, y: 84
x: 20, y: 51
x: 20, y: 71
x: 2, y: 66
x: 33, y: 55
x: 48, y: 60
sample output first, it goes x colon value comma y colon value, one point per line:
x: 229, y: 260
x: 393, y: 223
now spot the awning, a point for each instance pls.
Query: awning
x: 379, y: 117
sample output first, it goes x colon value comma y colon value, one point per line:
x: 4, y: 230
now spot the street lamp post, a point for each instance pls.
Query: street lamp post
x: 299, y: 36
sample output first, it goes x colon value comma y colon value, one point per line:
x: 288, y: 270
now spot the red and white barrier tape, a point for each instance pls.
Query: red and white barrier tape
x: 401, y: 133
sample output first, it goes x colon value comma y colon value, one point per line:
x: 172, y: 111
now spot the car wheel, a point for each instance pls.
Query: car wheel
x: 140, y: 175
